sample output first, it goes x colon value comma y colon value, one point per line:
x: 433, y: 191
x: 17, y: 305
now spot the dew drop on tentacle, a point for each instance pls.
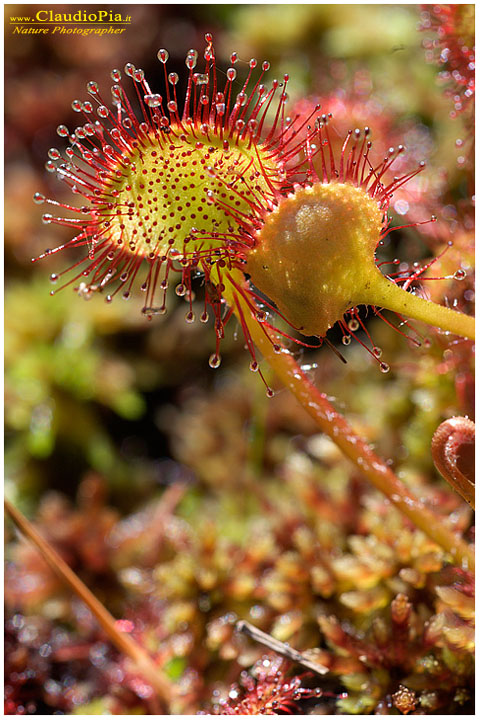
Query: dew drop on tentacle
x: 384, y: 367
x: 191, y: 59
x: 460, y: 274
x: 214, y: 360
x: 148, y: 311
x: 54, y: 154
x: 200, y: 79
x: 153, y: 100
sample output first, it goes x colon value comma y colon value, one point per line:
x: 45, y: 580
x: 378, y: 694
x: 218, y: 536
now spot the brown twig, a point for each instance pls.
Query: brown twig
x: 125, y: 643
x: 244, y: 627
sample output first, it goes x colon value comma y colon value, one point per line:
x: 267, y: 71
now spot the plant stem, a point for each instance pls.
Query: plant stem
x: 453, y: 453
x: 384, y: 293
x: 333, y: 424
x: 124, y: 642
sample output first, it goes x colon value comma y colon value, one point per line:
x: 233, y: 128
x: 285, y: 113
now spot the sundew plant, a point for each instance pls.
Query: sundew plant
x: 287, y: 527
